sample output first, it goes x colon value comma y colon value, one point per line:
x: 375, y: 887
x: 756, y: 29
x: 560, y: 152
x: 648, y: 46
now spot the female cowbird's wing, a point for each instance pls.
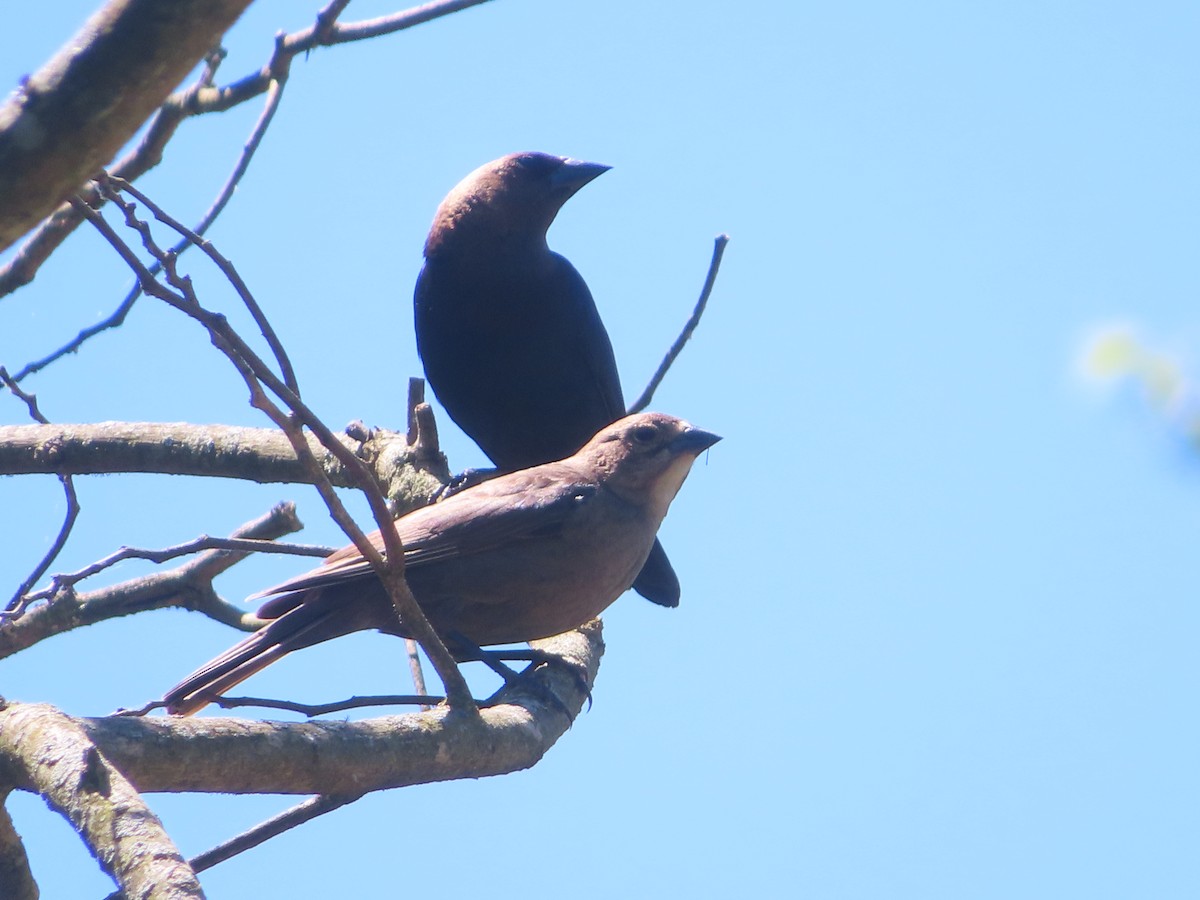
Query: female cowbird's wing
x: 496, y: 514
x: 344, y: 595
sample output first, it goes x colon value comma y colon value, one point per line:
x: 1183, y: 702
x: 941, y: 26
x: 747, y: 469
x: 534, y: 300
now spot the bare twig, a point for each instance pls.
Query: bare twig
x: 676, y: 348
x: 188, y: 586
x: 203, y: 542
x: 416, y: 396
x: 17, y: 603
x: 257, y: 375
x: 30, y: 400
x: 322, y: 709
x: 228, y: 270
x: 414, y: 669
x: 112, y: 320
x: 264, y: 831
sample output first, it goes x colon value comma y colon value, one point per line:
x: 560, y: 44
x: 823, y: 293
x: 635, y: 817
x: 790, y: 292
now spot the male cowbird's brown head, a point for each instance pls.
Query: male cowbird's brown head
x: 509, y: 201
x: 523, y: 556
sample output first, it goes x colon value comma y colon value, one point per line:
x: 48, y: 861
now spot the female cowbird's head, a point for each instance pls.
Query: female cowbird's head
x: 645, y: 458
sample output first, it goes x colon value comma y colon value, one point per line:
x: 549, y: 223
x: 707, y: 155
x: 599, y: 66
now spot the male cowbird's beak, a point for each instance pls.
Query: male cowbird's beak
x: 575, y: 173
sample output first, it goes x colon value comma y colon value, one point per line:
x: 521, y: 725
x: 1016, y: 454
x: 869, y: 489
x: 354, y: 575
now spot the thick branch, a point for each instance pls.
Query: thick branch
x: 223, y: 451
x: 44, y: 751
x: 204, y: 97
x: 238, y: 756
x: 70, y: 118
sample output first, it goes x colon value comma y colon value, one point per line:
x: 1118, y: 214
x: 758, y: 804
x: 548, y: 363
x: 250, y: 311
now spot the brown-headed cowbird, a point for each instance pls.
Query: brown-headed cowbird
x: 508, y: 332
x: 520, y: 557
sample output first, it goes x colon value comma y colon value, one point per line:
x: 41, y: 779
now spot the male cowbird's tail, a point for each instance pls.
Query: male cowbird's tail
x: 657, y: 581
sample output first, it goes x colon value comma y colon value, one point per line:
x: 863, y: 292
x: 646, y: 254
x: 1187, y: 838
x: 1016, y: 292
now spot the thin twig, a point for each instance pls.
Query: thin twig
x: 388, y: 565
x: 416, y: 396
x: 18, y: 602
x: 113, y: 320
x: 264, y: 831
x: 321, y: 709
x: 30, y: 400
x: 188, y: 586
x: 203, y: 542
x: 228, y: 270
x: 648, y: 394
x: 425, y: 701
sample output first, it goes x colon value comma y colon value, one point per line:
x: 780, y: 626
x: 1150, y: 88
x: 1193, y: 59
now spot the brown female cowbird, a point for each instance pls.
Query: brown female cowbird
x: 510, y: 337
x: 520, y: 557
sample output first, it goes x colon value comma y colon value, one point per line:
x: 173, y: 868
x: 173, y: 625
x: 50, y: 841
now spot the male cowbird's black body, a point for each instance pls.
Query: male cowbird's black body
x: 508, y: 332
x: 523, y: 556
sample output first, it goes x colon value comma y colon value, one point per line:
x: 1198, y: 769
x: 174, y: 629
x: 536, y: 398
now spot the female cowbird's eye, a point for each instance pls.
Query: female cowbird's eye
x: 644, y: 434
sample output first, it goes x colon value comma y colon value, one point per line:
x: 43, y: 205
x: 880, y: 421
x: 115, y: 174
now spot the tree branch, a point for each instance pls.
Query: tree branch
x: 44, y: 751
x: 264, y: 455
x: 69, y: 118
x: 350, y: 758
x: 199, y: 99
x: 189, y: 586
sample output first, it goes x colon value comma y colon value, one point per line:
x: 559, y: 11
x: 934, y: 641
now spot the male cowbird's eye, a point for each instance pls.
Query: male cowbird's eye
x: 644, y: 434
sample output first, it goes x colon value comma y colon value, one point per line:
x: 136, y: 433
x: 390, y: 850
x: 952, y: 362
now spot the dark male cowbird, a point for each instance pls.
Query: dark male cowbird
x: 523, y: 556
x: 510, y: 337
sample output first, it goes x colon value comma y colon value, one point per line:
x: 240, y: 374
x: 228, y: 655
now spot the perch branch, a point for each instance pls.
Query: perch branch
x: 217, y: 754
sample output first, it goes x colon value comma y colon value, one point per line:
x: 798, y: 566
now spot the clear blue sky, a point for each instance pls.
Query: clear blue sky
x: 938, y: 633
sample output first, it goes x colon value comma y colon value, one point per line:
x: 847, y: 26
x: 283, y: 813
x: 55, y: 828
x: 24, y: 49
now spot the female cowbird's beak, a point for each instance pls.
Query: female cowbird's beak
x: 694, y: 441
